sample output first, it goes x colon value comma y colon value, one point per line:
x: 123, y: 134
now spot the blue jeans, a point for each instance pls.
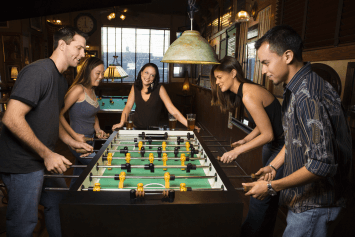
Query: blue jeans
x: 25, y: 192
x: 317, y: 222
x: 80, y: 161
x: 262, y: 214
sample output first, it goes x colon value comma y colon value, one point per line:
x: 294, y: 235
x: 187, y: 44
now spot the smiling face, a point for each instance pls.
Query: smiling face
x: 75, y: 50
x: 224, y: 79
x: 97, y: 74
x: 274, y: 65
x: 148, y: 75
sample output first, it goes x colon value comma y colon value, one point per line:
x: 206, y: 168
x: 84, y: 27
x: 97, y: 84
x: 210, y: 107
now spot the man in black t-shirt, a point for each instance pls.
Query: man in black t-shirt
x: 31, y: 129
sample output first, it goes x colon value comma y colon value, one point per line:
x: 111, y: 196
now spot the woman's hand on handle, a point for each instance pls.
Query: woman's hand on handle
x: 118, y: 125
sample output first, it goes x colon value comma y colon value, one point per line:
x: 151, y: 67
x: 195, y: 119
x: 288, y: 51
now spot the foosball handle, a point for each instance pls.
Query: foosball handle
x: 88, y: 139
x: 81, y: 151
x: 247, y: 188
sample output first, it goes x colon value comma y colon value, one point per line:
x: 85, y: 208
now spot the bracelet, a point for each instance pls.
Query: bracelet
x: 273, y: 167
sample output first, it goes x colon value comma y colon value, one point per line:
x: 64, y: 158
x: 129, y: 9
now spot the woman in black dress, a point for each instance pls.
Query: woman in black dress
x: 149, y: 96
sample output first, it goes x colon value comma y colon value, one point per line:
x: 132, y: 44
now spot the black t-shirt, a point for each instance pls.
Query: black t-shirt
x: 41, y: 86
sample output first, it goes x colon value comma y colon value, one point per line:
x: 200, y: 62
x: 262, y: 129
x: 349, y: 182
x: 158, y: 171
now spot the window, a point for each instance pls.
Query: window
x: 135, y: 47
x: 250, y: 57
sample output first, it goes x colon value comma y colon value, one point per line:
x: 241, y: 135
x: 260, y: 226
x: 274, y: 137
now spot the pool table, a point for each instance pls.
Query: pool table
x: 110, y: 113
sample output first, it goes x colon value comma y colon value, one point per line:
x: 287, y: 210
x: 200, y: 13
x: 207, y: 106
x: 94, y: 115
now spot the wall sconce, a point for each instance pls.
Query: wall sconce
x: 186, y: 84
x: 122, y: 17
x: 55, y: 21
x: 242, y: 16
x: 14, y: 73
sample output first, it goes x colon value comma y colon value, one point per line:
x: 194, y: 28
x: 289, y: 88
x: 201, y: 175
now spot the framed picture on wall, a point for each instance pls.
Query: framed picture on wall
x: 4, y: 24
x: 12, y: 48
x: 36, y: 23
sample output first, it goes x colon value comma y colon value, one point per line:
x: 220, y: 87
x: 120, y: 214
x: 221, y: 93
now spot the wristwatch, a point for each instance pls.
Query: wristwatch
x: 271, y: 191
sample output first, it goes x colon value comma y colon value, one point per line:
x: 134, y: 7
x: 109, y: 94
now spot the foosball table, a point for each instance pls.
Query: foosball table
x: 152, y: 183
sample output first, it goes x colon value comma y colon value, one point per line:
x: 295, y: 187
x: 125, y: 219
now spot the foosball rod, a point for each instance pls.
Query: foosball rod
x: 155, y: 166
x: 244, y: 188
x: 125, y: 144
x: 155, y: 158
x: 153, y: 177
x: 83, y: 151
x: 127, y: 177
x: 152, y: 140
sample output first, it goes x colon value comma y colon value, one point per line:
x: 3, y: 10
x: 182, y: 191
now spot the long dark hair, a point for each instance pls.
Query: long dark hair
x: 138, y: 82
x: 84, y: 75
x: 227, y: 100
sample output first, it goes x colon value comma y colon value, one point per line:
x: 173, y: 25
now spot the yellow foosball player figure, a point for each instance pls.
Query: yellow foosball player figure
x: 165, y: 159
x: 163, y: 145
x: 97, y: 187
x: 182, y: 159
x: 183, y: 187
x: 187, y: 145
x: 140, y: 190
x: 151, y: 158
x: 122, y: 178
x: 128, y: 158
x: 109, y: 160
x: 167, y: 179
x: 140, y: 144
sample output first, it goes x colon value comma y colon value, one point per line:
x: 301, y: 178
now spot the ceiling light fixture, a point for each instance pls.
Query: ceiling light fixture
x: 190, y: 47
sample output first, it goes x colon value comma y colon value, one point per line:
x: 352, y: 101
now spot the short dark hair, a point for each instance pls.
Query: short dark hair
x: 138, y: 82
x: 282, y: 38
x: 67, y: 34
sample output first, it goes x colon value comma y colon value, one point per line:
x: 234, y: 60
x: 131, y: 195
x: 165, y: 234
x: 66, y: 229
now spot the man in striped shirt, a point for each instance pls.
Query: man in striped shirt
x: 317, y: 152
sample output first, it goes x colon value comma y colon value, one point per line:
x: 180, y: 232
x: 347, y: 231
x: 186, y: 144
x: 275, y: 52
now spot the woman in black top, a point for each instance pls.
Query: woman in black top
x: 229, y: 90
x: 149, y: 97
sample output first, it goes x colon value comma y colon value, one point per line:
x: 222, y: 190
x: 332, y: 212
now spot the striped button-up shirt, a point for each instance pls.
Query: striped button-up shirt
x: 317, y: 136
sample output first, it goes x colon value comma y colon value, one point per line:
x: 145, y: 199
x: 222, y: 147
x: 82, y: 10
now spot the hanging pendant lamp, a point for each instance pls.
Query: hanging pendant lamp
x: 190, y: 47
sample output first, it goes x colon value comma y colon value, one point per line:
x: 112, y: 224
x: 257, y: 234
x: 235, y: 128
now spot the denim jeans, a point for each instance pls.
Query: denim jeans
x: 25, y: 192
x: 262, y: 214
x: 80, y: 161
x: 317, y: 222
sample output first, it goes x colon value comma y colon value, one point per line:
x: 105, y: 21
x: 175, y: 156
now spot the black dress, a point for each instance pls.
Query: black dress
x: 147, y: 113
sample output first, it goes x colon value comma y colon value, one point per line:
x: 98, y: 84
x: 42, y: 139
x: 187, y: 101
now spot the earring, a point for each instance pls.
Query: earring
x: 151, y: 85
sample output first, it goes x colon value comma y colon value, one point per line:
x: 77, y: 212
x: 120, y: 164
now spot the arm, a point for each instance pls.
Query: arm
x: 99, y: 133
x: 67, y: 139
x: 127, y: 109
x: 170, y: 106
x: 75, y: 94
x: 298, y: 178
x: 249, y: 137
x: 319, y: 158
x: 264, y: 128
x: 14, y: 120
